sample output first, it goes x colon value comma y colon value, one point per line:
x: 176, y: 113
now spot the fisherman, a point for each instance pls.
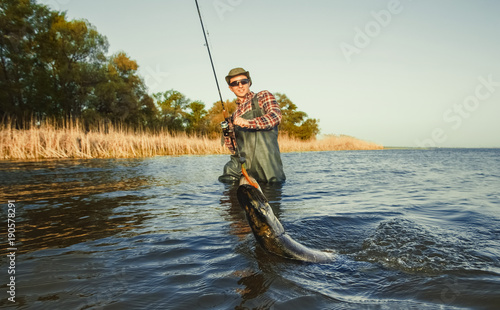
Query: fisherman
x: 255, y: 124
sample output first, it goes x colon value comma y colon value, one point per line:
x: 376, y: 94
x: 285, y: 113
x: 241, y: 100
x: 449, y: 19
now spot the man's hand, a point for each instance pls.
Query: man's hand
x: 241, y: 122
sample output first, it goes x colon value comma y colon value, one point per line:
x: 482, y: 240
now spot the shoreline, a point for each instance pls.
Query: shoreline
x: 48, y: 142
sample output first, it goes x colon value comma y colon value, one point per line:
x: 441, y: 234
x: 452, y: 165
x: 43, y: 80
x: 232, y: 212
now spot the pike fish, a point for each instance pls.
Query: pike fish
x: 268, y: 230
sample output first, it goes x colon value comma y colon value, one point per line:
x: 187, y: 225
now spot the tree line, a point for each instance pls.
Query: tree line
x: 58, y: 69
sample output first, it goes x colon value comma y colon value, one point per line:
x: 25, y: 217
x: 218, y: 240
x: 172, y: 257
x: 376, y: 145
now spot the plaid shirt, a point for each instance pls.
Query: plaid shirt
x: 270, y: 119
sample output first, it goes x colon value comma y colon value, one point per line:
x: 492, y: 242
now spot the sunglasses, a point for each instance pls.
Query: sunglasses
x: 237, y: 83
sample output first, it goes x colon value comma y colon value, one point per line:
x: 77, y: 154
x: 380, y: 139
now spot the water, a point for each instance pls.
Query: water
x: 414, y: 229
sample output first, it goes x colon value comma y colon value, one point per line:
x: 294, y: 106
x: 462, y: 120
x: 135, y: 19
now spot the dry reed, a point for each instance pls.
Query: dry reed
x: 327, y: 143
x: 71, y: 141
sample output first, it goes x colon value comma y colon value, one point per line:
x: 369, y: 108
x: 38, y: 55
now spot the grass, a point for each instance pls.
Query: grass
x: 71, y: 141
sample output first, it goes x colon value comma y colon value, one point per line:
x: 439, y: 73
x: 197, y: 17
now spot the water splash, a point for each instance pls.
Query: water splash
x: 406, y: 245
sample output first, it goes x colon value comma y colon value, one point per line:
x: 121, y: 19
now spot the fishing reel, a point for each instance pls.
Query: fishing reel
x: 226, y: 129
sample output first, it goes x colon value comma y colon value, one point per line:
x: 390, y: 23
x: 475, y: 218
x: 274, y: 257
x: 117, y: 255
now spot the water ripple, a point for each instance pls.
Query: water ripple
x: 413, y: 229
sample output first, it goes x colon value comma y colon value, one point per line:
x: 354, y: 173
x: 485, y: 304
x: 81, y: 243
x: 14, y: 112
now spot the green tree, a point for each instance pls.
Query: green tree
x: 172, y: 105
x: 295, y: 123
x: 49, y: 66
x: 74, y: 56
x: 197, y: 121
x: 149, y: 113
x: 121, y: 96
x: 22, y: 22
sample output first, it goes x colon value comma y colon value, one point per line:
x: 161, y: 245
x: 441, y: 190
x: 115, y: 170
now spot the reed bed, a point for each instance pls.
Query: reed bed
x: 71, y: 141
x: 327, y: 143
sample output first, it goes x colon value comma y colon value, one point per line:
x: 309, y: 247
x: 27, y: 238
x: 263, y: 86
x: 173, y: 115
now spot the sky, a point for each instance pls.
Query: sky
x: 394, y: 72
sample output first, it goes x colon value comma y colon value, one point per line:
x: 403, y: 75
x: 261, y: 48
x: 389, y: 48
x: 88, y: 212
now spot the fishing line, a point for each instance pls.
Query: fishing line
x: 209, y: 54
x: 225, y: 124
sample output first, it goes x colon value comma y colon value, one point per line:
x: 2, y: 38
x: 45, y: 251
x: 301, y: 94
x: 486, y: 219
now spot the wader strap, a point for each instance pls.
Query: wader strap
x: 255, y: 102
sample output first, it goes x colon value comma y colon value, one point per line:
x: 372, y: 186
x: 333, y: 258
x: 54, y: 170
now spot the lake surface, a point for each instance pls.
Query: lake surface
x: 414, y: 229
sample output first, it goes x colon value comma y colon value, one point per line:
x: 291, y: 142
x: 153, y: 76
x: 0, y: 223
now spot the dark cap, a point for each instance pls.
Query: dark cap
x: 238, y: 71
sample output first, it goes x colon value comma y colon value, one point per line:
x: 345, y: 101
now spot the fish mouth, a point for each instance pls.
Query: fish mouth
x: 250, y: 198
x: 249, y: 195
x: 259, y: 215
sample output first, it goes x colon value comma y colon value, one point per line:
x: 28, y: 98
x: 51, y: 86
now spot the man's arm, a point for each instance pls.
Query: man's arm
x: 272, y: 116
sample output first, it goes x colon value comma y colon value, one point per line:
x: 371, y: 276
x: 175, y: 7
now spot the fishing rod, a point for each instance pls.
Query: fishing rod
x: 227, y: 131
x: 210, y: 56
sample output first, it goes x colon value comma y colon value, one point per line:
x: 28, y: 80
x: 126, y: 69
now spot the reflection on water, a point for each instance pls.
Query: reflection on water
x: 73, y: 202
x: 416, y: 229
x: 236, y: 215
x: 252, y: 283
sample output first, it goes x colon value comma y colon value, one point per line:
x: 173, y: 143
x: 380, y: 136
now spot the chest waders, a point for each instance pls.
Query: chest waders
x: 261, y: 150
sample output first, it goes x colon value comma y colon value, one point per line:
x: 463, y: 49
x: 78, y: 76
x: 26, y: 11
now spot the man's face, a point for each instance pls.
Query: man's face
x: 239, y: 90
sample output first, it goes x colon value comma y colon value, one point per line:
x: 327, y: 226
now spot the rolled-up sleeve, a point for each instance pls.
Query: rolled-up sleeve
x: 271, y: 108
